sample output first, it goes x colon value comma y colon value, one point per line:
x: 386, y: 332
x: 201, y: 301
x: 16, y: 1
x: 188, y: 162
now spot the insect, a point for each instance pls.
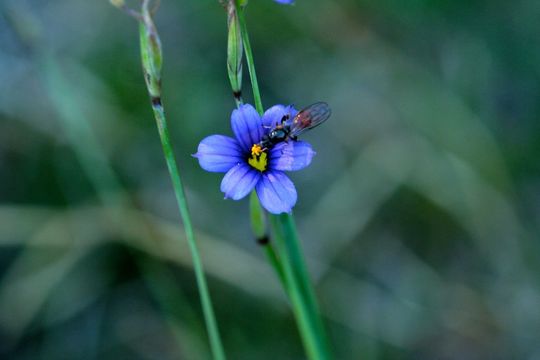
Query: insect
x: 306, y: 119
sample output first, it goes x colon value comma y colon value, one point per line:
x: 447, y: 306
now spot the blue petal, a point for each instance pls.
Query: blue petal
x: 276, y: 192
x: 284, y: 1
x: 247, y: 126
x: 275, y: 114
x: 239, y: 181
x: 290, y: 156
x: 218, y: 153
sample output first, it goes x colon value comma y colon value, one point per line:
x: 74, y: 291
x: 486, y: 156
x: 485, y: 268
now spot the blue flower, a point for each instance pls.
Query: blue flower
x: 284, y: 1
x: 248, y: 166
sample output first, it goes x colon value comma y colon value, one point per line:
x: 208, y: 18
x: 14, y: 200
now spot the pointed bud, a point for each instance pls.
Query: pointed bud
x: 234, y: 51
x: 150, y: 52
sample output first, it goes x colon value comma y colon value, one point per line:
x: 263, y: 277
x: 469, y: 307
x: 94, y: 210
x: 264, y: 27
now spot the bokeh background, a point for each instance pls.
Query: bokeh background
x: 419, y: 215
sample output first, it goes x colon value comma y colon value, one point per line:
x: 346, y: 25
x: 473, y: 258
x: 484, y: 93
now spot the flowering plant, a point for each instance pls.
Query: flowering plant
x: 254, y: 161
x: 249, y: 165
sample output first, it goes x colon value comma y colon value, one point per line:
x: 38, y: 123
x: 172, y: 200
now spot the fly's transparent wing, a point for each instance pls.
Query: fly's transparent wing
x: 310, y: 117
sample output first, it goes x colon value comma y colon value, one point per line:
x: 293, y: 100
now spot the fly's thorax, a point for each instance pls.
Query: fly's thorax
x: 278, y: 134
x: 265, y: 142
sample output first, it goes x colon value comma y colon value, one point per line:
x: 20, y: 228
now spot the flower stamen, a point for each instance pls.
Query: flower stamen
x: 256, y: 150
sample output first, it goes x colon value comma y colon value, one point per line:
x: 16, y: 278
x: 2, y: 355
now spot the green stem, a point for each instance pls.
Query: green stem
x: 298, y: 262
x: 258, y: 226
x: 95, y: 163
x: 274, y: 260
x: 249, y: 58
x: 211, y: 324
x: 152, y: 60
x: 292, y: 269
x: 271, y: 255
x: 310, y: 337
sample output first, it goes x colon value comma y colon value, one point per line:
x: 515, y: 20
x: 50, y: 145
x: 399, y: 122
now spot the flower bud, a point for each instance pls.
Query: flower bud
x: 150, y: 52
x: 234, y: 51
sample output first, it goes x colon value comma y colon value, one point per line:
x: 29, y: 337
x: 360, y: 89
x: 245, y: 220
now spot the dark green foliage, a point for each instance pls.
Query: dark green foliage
x: 418, y: 214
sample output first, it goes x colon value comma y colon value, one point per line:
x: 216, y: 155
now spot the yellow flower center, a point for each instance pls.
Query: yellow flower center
x: 256, y: 150
x: 258, y: 158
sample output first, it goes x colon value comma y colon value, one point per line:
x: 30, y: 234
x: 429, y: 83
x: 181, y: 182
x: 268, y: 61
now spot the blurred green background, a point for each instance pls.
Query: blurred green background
x: 419, y: 215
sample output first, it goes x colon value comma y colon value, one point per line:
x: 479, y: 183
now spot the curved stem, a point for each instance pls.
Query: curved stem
x: 151, y: 56
x: 292, y: 269
x: 211, y: 324
x: 249, y: 59
x: 311, y: 339
x: 276, y: 263
x: 299, y: 265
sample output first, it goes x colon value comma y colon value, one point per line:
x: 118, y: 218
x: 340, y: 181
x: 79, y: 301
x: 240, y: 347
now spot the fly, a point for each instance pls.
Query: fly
x: 306, y: 119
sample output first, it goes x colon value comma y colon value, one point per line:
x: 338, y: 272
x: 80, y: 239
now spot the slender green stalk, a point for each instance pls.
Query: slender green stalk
x: 258, y: 226
x: 274, y: 260
x: 151, y: 56
x: 211, y: 324
x: 314, y: 346
x: 235, y: 49
x: 97, y: 168
x: 89, y: 152
x: 292, y: 268
x: 298, y: 262
x: 249, y: 58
